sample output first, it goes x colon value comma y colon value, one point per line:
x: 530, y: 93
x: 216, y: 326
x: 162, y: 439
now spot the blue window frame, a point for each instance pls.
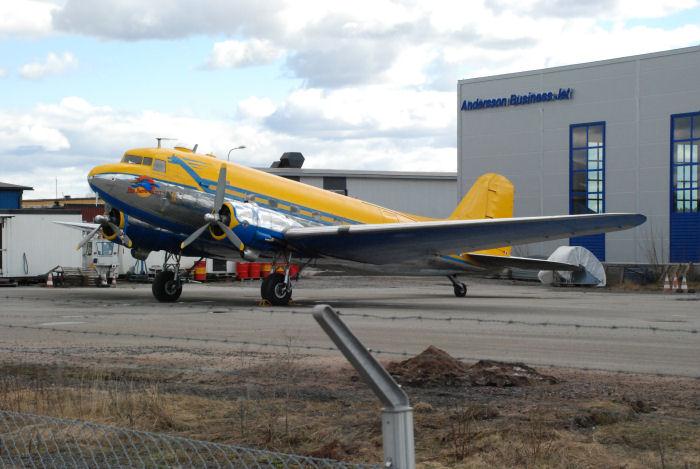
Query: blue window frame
x: 684, y: 203
x: 685, y: 138
x: 587, y: 178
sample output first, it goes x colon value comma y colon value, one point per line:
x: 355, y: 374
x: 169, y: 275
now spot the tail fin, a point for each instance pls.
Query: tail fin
x: 491, y: 196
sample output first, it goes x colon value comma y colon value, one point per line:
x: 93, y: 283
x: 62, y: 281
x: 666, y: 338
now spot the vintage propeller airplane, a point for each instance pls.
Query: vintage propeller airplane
x: 196, y: 205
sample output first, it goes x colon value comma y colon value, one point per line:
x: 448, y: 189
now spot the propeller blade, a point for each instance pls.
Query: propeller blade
x: 220, y: 190
x: 125, y: 239
x: 231, y: 236
x: 190, y: 239
x: 87, y: 238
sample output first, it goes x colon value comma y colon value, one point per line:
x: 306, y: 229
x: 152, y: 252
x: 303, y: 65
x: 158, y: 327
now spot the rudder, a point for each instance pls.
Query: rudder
x: 491, y: 196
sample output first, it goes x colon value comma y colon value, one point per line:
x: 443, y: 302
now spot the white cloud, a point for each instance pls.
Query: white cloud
x: 606, y: 9
x: 378, y: 76
x: 164, y: 19
x: 233, y: 54
x: 73, y: 135
x: 24, y: 134
x: 334, y: 44
x: 3, y: 73
x: 26, y: 17
x: 369, y: 112
x: 256, y: 108
x: 53, y: 65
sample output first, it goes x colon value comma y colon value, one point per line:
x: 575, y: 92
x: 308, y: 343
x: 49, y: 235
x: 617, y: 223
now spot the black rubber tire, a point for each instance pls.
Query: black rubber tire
x: 274, y: 291
x: 460, y: 290
x: 164, y: 287
x: 264, y: 287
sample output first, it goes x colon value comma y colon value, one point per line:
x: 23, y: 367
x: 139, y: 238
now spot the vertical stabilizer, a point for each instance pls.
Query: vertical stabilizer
x: 491, y: 196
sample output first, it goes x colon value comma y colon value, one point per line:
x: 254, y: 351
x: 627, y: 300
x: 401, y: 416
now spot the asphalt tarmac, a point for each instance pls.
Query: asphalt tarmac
x: 579, y: 328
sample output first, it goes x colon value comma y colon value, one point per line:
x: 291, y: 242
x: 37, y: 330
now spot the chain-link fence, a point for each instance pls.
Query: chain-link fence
x: 35, y: 441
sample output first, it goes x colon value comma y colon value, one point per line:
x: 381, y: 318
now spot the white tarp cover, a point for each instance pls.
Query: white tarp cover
x: 592, y: 272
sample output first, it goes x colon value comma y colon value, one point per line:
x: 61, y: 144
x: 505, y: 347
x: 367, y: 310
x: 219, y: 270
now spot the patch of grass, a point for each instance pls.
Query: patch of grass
x: 284, y: 415
x: 649, y: 435
x: 603, y: 413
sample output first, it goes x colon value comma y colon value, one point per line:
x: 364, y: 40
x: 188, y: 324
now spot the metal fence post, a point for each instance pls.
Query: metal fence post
x: 397, y: 414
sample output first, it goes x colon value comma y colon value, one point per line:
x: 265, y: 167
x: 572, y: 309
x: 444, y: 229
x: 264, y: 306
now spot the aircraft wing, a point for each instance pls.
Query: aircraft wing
x: 392, y: 242
x: 500, y: 262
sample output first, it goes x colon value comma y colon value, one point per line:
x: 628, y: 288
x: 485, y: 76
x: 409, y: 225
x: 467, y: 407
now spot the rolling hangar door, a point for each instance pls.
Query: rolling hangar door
x: 685, y: 217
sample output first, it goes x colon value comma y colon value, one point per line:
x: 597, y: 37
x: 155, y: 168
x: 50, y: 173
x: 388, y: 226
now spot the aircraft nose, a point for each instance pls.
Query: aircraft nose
x: 98, y: 178
x: 96, y: 171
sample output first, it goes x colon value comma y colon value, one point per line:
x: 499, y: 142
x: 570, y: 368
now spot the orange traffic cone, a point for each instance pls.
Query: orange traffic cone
x: 49, y: 280
x: 667, y: 285
x: 684, y: 285
x: 674, y: 286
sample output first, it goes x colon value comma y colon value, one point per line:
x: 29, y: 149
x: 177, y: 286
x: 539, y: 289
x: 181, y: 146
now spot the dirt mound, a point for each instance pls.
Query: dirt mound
x: 435, y: 367
x: 502, y: 374
x: 432, y: 367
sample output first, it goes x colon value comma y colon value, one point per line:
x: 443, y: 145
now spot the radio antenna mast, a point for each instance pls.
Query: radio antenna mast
x: 159, y: 139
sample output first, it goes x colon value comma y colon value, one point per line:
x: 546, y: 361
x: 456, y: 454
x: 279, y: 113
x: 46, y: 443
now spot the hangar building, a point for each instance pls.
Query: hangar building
x: 618, y: 135
x: 431, y: 194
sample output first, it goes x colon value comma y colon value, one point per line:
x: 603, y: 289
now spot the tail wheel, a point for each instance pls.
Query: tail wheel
x: 165, y: 288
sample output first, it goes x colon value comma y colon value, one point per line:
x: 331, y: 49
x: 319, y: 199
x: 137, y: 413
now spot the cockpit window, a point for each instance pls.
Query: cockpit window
x: 159, y: 165
x: 132, y: 159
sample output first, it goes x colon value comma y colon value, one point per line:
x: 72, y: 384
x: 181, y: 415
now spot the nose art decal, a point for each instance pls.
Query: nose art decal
x: 143, y: 186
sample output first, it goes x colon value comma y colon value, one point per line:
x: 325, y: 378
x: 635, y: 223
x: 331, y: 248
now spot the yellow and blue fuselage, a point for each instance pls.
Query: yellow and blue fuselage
x: 162, y: 194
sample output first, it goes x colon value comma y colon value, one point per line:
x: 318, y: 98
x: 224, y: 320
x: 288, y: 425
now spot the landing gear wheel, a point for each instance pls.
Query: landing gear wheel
x: 165, y: 288
x: 275, y: 290
x: 460, y: 290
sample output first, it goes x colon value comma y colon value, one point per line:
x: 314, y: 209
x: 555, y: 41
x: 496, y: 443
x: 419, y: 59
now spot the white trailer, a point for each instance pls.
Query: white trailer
x: 31, y: 244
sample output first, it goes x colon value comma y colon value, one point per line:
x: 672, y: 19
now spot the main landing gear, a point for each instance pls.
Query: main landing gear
x: 459, y: 287
x: 167, y: 286
x: 277, y: 287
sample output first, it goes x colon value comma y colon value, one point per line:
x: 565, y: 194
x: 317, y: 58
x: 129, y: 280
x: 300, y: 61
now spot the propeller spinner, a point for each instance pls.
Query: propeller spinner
x: 215, y: 217
x: 109, y: 228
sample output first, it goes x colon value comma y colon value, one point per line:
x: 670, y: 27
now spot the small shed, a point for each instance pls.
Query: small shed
x: 11, y: 195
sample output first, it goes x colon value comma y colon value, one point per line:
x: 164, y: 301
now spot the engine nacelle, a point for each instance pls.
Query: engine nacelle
x: 140, y: 254
x: 118, y: 218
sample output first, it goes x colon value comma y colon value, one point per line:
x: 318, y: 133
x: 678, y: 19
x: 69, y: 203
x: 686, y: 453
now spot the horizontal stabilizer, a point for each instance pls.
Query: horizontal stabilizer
x: 527, y: 263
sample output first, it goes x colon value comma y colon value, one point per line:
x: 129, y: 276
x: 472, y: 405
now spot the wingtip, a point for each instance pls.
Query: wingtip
x: 639, y: 219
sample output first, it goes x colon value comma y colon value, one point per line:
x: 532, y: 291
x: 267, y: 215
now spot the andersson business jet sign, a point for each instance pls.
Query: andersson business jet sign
x: 518, y: 99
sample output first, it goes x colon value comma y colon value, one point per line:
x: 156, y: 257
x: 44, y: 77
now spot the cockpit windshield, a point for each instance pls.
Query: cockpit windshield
x: 134, y: 159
